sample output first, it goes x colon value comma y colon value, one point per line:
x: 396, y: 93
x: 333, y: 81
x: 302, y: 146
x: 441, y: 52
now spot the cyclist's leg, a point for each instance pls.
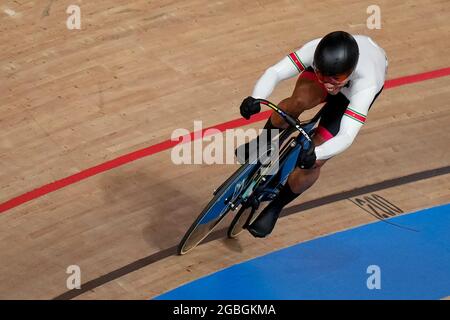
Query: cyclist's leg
x: 302, y: 179
x: 298, y: 182
x: 307, y: 94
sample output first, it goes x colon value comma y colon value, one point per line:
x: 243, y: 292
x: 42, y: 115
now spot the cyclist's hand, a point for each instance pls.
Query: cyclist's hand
x: 307, y: 158
x: 249, y: 107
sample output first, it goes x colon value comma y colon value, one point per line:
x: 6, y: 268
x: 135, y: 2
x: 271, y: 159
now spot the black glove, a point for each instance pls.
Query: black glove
x: 249, y: 107
x: 307, y: 158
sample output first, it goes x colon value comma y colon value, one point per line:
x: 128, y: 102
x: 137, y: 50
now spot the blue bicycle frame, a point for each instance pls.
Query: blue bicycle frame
x: 252, y: 183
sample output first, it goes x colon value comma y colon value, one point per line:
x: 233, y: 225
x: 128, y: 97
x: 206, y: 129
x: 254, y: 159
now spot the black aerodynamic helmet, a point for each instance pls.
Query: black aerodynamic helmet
x: 337, y: 53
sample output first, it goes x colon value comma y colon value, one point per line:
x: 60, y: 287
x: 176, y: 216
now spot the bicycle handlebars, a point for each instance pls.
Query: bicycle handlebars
x: 289, y: 119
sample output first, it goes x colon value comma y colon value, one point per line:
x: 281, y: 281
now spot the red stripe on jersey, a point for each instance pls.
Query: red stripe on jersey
x: 297, y: 61
x: 355, y: 115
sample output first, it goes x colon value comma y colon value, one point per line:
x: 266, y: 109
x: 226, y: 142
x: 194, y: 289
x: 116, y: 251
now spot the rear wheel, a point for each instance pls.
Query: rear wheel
x: 245, y: 217
x: 239, y: 221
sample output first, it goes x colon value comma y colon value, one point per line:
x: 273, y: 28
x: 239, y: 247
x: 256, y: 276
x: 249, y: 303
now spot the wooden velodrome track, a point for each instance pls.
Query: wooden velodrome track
x: 73, y: 100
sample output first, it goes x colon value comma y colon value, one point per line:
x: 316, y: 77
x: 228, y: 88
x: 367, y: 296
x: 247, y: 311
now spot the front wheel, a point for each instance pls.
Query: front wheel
x: 216, y: 209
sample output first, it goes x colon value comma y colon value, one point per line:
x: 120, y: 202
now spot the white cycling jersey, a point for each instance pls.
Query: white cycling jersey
x: 365, y: 82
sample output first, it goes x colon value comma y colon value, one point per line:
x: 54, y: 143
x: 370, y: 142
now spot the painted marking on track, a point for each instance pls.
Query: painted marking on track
x: 9, y: 12
x: 165, y: 145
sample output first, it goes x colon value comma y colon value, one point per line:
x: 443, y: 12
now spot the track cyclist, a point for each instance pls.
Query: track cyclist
x: 344, y: 71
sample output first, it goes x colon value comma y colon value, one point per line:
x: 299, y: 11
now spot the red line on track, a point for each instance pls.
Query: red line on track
x: 165, y: 145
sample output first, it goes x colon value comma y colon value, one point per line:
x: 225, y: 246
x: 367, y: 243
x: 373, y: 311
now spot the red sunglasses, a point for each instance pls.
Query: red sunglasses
x: 337, y: 79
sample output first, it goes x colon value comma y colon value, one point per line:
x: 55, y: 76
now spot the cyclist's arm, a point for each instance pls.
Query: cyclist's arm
x: 290, y: 66
x: 266, y: 84
x: 352, y: 121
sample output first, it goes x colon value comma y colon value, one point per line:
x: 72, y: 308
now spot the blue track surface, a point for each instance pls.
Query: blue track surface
x: 414, y: 265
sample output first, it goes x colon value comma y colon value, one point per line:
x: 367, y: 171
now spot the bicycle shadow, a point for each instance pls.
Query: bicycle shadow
x: 233, y: 245
x: 167, y: 208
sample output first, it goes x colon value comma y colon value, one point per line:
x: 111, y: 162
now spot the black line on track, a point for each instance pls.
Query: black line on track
x: 160, y: 255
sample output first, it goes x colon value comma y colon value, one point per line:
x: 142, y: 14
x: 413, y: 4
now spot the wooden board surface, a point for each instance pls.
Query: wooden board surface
x: 137, y: 71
